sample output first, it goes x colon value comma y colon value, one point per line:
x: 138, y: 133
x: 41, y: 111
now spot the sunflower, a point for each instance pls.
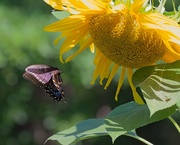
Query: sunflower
x: 122, y: 33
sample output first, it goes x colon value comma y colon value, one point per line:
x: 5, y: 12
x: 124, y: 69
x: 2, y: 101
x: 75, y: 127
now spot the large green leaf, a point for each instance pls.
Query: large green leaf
x: 160, y: 85
x: 131, y: 116
x: 86, y: 129
x: 123, y: 120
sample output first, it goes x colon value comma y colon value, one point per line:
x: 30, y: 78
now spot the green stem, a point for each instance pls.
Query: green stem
x: 174, y: 123
x: 140, y: 139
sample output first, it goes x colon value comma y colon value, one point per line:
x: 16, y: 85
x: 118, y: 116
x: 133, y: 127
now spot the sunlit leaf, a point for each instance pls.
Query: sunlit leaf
x: 84, y: 130
x: 131, y: 116
x: 178, y: 104
x: 160, y: 85
x: 123, y: 120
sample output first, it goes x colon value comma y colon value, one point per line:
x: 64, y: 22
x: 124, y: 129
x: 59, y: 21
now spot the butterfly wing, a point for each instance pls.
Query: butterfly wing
x: 54, y: 92
x: 40, y: 68
x: 32, y: 79
x: 57, y: 81
x: 41, y: 72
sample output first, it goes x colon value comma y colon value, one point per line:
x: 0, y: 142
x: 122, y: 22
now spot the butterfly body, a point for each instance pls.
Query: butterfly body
x: 47, y: 77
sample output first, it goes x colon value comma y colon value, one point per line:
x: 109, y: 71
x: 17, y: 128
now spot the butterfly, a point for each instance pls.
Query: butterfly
x: 47, y: 77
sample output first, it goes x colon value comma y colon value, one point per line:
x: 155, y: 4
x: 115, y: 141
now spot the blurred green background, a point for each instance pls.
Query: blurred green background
x: 28, y: 116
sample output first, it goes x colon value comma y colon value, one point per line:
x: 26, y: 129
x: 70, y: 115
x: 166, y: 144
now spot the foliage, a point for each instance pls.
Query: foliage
x: 29, y: 116
x: 121, y: 121
x: 160, y: 85
x: 130, y: 116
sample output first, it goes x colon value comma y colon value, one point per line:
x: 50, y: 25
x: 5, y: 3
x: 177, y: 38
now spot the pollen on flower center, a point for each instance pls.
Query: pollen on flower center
x: 121, y: 38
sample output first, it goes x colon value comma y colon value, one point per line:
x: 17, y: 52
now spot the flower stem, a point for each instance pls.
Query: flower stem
x: 140, y: 139
x: 175, y: 124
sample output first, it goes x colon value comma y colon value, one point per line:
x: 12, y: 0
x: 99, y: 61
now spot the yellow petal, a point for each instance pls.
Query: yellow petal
x: 112, y: 74
x: 92, y: 47
x: 56, y: 4
x: 72, y: 40
x: 120, y: 82
x: 137, y: 5
x: 83, y: 47
x: 136, y: 96
x: 102, y: 67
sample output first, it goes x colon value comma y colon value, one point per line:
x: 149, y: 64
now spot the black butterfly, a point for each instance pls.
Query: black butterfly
x: 47, y: 77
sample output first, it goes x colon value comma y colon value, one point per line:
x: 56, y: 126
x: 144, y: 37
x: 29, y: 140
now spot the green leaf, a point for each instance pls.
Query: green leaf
x: 121, y: 121
x: 160, y: 85
x: 178, y: 104
x: 131, y: 116
x: 61, y: 14
x: 84, y: 130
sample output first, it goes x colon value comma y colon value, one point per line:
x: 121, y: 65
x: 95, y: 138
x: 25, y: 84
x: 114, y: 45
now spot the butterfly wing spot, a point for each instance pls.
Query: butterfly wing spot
x: 56, y: 94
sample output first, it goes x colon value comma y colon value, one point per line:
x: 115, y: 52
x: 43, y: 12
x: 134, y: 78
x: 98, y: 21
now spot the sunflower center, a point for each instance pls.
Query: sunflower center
x: 121, y: 38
